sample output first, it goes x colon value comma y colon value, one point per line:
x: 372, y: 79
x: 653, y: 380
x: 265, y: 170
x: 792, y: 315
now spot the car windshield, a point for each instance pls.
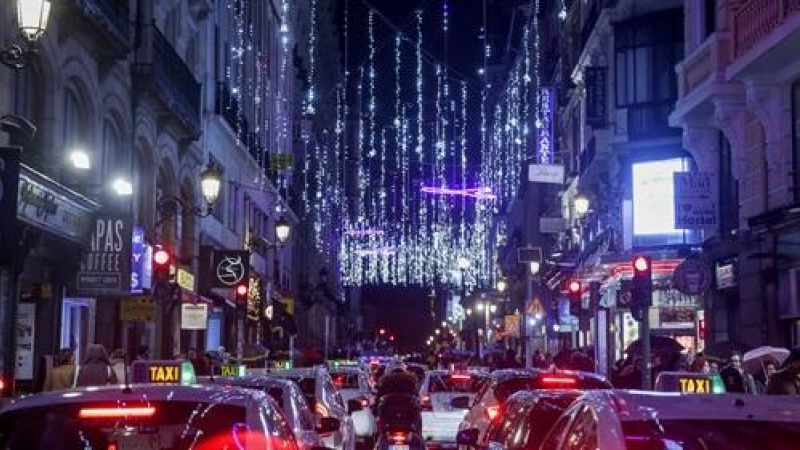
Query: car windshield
x: 711, y: 435
x: 277, y: 394
x: 148, y: 426
x: 464, y: 383
x: 345, y: 380
x: 511, y: 386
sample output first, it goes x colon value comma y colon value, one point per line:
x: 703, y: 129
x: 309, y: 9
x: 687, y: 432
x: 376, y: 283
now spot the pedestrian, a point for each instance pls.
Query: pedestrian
x: 698, y: 363
x: 63, y: 374
x: 143, y: 353
x: 118, y: 364
x: 96, y: 368
x: 787, y: 380
x: 736, y: 379
x: 199, y: 364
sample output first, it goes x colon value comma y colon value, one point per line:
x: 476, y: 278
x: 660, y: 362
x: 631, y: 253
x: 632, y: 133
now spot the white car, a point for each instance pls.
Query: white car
x: 440, y: 392
x: 631, y: 420
x: 505, y: 383
x: 353, y: 384
x: 325, y: 401
x: 289, y: 397
x: 146, y: 417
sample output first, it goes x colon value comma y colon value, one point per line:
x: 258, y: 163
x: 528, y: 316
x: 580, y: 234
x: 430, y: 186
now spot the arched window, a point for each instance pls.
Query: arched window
x: 73, y: 119
x: 113, y: 159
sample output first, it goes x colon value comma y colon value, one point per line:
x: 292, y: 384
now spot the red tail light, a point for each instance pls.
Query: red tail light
x: 116, y: 413
x: 364, y: 402
x: 492, y: 412
x: 460, y: 376
x: 321, y: 410
x: 398, y: 437
x: 425, y: 403
x: 558, y: 381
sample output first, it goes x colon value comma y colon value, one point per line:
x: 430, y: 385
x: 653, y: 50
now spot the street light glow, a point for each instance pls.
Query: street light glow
x: 282, y: 230
x: 463, y: 263
x: 32, y: 16
x: 80, y: 159
x: 480, y: 306
x: 581, y: 205
x: 122, y: 187
x: 501, y: 285
x: 210, y: 182
x: 493, y: 309
x: 534, y: 267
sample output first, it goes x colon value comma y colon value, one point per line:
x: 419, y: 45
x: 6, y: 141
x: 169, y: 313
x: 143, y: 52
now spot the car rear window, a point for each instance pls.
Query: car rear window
x: 175, y: 425
x: 277, y: 394
x: 697, y: 434
x: 511, y: 386
x: 344, y: 380
x: 465, y: 383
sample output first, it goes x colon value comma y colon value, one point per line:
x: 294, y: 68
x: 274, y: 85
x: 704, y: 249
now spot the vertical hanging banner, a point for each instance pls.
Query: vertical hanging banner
x: 545, y: 147
x: 595, y: 83
x: 9, y: 192
x: 106, y: 266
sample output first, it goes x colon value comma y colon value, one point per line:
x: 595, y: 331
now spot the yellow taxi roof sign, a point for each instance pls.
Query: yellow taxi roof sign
x: 689, y: 383
x: 163, y: 372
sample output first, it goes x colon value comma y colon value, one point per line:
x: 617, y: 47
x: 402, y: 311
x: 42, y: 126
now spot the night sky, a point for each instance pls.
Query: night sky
x: 405, y: 311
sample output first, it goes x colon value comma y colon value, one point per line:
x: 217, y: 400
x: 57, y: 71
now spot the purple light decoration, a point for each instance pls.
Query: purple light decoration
x: 364, y: 232
x: 479, y: 193
x: 377, y: 251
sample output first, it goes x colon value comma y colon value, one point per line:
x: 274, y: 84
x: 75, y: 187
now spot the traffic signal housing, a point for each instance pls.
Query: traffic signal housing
x: 162, y: 263
x: 240, y: 291
x: 641, y: 286
x: 574, y: 291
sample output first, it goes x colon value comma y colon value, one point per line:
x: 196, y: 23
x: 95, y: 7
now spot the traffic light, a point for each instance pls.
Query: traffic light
x: 574, y: 291
x: 162, y: 263
x: 241, y: 293
x: 382, y: 331
x: 641, y: 286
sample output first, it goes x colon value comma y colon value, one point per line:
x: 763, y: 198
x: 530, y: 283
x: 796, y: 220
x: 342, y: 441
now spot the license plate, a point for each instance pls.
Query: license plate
x: 398, y: 447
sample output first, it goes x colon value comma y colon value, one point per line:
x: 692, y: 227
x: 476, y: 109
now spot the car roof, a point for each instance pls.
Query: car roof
x: 227, y: 395
x: 304, y: 372
x: 265, y: 381
x: 499, y: 376
x: 647, y: 405
x: 528, y: 396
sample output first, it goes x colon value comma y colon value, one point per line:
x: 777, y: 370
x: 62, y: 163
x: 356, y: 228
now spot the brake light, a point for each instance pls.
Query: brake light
x: 364, y: 402
x: 398, y: 437
x: 492, y: 412
x: 425, y: 403
x: 558, y: 381
x: 115, y: 413
x: 321, y: 410
x: 460, y: 376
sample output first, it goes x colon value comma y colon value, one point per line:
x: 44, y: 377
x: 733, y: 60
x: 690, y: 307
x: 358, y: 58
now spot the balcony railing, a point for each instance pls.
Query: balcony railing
x: 109, y: 18
x: 753, y: 20
x: 164, y: 74
x: 650, y: 120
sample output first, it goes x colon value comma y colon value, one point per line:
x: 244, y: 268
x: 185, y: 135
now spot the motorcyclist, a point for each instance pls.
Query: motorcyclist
x: 398, y: 389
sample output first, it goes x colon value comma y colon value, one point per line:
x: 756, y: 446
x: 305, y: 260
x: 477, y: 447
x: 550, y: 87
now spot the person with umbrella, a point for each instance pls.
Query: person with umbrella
x: 736, y: 379
x: 762, y: 363
x: 787, y: 380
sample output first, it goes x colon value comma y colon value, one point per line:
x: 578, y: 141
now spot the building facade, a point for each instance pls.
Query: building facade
x: 151, y: 93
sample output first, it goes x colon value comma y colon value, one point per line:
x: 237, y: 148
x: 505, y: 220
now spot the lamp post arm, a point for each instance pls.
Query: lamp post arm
x: 167, y: 208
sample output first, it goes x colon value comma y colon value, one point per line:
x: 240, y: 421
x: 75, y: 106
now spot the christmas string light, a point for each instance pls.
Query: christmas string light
x: 312, y: 43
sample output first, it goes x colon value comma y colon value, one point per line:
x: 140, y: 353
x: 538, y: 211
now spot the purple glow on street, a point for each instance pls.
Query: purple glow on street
x: 480, y: 193
x: 364, y: 232
x: 378, y: 251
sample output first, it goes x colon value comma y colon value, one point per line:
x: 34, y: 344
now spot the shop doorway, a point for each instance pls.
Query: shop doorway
x: 76, y: 326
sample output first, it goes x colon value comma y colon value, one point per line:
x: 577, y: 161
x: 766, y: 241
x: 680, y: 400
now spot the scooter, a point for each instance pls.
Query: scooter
x: 399, y: 423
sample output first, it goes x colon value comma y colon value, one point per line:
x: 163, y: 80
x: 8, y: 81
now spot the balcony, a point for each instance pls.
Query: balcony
x: 650, y: 121
x: 108, y: 21
x: 161, y: 72
x: 766, y: 35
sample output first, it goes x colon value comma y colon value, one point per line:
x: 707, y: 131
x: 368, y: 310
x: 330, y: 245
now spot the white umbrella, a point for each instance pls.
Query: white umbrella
x: 757, y: 358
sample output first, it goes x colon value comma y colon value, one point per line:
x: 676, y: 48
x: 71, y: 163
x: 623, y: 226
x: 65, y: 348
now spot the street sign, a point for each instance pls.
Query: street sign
x: 546, y: 173
x: 106, y: 266
x: 695, y: 200
x: 692, y: 277
x: 229, y: 268
x: 137, y: 309
x: 529, y: 254
x: 194, y: 316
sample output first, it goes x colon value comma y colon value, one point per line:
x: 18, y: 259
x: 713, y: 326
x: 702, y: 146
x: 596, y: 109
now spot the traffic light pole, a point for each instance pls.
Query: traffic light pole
x: 647, y: 382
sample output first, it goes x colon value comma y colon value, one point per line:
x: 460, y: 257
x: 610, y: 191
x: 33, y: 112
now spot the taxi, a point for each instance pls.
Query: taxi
x: 146, y: 417
x: 445, y: 397
x: 352, y: 383
x: 689, y: 383
x: 638, y: 420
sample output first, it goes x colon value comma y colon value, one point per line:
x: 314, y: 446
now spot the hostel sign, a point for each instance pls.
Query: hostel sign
x: 106, y: 266
x: 695, y: 200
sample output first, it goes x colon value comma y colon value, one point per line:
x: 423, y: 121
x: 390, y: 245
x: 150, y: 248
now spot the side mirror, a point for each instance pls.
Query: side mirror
x: 354, y: 405
x: 461, y: 402
x: 328, y: 425
x: 468, y: 437
x: 495, y: 446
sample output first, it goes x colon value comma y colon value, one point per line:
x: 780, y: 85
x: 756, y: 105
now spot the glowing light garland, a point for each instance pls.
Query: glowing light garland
x: 479, y: 193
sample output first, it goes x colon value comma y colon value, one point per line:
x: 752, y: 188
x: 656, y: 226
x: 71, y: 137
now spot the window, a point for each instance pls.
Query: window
x: 641, y: 77
x: 728, y: 189
x: 554, y: 436
x: 112, y: 159
x: 73, y: 119
x: 233, y: 207
x: 709, y: 17
x: 583, y: 434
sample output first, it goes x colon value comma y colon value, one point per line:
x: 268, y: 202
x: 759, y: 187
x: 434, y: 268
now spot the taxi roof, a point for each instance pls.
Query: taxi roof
x: 252, y: 381
x: 141, y: 392
x: 647, y: 405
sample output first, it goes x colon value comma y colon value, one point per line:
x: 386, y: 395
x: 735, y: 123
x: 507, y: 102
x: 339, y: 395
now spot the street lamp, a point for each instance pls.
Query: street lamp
x: 210, y: 181
x: 534, y: 267
x: 501, y: 286
x: 581, y: 205
x: 32, y: 16
x: 282, y: 229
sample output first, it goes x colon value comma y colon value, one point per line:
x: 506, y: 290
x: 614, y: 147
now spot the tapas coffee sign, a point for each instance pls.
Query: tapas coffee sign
x: 106, y: 265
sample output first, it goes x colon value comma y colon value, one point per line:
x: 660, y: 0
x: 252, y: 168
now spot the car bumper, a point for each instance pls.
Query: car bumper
x: 364, y: 423
x: 440, y: 427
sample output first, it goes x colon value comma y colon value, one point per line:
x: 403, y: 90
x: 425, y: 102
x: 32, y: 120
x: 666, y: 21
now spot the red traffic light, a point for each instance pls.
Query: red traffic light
x: 241, y: 290
x: 161, y: 257
x: 574, y: 287
x: 391, y: 338
x: 641, y: 264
